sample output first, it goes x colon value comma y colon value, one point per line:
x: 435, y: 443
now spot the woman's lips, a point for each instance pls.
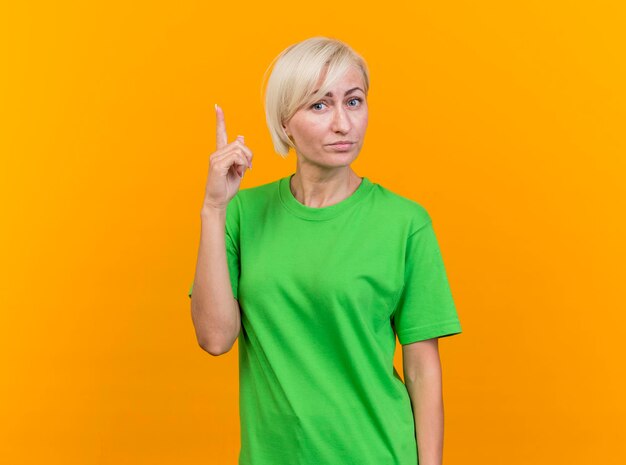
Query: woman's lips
x: 341, y: 146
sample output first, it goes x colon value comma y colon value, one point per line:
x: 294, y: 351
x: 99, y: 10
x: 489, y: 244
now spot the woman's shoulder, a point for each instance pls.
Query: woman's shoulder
x: 257, y: 193
x: 254, y: 202
x: 400, y: 205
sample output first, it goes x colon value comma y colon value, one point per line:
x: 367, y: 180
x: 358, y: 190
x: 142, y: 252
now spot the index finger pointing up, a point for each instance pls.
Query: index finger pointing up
x: 221, y: 139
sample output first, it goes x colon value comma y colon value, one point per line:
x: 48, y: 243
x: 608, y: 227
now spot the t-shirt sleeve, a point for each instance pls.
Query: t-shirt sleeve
x: 425, y: 308
x: 232, y: 235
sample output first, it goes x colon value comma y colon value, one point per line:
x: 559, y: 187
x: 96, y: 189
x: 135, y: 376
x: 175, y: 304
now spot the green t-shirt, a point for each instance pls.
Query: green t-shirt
x: 323, y: 293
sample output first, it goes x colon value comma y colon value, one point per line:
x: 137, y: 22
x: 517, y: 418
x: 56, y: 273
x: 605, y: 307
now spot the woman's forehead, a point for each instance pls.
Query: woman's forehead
x: 351, y: 81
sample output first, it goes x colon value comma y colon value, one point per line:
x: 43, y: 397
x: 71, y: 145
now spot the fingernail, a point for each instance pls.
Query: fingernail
x: 240, y: 137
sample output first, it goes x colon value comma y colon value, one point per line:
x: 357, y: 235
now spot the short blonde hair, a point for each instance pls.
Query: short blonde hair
x: 294, y: 75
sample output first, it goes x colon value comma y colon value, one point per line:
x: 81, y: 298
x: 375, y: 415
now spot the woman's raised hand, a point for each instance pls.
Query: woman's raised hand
x: 227, y: 166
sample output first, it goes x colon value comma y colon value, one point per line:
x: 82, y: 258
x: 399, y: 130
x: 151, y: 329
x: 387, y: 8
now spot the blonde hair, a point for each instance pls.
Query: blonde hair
x: 294, y: 75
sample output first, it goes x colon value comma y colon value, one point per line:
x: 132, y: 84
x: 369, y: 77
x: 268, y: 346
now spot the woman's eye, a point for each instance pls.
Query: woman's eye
x: 358, y: 99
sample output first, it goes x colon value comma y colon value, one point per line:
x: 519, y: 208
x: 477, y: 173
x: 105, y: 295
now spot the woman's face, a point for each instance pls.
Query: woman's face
x: 341, y: 116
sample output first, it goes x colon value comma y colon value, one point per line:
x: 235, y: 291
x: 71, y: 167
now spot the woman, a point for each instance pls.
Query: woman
x: 326, y: 268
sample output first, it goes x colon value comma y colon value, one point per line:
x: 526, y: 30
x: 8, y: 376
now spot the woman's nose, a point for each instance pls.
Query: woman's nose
x: 341, y: 120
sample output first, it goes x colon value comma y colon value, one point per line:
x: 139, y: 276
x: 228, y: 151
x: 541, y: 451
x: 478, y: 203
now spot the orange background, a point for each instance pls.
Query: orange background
x: 506, y: 121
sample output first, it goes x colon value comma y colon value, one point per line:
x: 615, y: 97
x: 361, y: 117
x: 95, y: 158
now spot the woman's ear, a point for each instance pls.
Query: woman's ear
x: 288, y: 134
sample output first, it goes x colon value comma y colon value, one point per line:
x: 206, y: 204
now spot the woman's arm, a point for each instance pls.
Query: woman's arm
x: 422, y: 377
x: 215, y: 313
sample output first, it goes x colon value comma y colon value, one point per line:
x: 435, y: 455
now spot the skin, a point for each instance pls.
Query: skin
x: 423, y: 380
x: 324, y: 177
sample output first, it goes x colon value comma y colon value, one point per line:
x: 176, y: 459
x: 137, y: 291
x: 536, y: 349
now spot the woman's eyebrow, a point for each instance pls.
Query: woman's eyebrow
x: 330, y: 94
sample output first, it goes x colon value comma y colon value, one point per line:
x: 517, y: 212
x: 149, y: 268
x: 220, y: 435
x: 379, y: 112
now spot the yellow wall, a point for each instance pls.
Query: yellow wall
x: 506, y: 121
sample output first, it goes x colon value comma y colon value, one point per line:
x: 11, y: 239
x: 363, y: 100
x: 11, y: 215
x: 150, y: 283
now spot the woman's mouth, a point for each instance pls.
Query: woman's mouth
x: 342, y: 145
